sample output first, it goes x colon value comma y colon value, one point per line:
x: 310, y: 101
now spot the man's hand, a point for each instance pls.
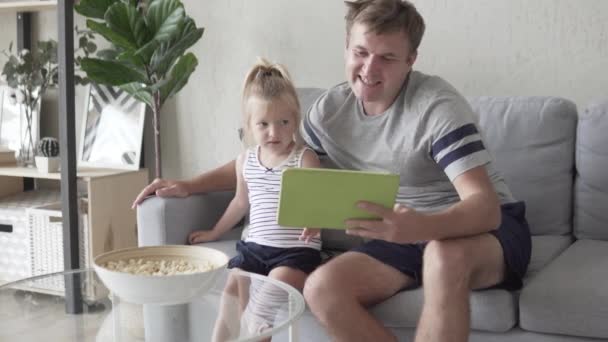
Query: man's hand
x: 199, y: 236
x: 400, y: 225
x: 162, y: 188
x: 309, y: 233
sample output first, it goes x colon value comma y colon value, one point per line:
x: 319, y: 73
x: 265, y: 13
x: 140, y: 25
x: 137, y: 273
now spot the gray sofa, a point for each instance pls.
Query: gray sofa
x: 556, y: 160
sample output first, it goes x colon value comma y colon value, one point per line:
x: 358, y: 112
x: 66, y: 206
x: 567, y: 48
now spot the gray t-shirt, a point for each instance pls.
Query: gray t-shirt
x: 428, y: 136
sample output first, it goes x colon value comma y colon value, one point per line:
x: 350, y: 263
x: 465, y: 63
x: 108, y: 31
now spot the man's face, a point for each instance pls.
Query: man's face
x: 376, y: 66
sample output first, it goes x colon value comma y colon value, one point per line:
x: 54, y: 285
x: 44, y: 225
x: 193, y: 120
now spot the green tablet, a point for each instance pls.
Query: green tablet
x: 325, y: 198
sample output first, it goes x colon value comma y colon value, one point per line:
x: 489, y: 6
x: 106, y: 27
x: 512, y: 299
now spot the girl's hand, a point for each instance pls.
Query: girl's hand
x: 199, y: 236
x: 309, y: 233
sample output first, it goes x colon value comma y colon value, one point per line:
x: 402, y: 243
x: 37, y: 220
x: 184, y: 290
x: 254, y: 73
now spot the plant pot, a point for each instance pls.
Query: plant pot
x: 47, y: 164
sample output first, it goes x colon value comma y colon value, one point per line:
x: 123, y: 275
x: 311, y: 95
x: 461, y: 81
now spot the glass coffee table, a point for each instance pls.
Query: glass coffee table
x: 255, y: 308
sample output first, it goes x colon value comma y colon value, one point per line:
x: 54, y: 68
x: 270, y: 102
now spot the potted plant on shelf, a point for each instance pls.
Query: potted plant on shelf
x: 47, y: 156
x: 29, y: 74
x: 151, y: 39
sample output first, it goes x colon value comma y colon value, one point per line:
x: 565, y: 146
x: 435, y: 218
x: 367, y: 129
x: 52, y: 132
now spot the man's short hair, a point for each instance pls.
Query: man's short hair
x: 386, y: 16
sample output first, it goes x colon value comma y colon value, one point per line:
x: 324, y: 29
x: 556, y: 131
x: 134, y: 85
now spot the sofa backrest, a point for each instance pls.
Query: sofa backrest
x: 591, y: 185
x: 532, y: 140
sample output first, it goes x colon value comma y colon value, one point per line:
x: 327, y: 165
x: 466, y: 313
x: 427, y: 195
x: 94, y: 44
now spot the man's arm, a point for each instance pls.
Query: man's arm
x: 477, y: 212
x: 222, y: 178
x: 219, y: 179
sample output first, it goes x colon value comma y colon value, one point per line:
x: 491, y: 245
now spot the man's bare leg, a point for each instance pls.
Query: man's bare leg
x: 339, y: 292
x: 451, y: 268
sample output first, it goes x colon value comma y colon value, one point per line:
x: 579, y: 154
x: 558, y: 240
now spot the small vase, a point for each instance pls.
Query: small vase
x: 25, y: 156
x: 26, y: 152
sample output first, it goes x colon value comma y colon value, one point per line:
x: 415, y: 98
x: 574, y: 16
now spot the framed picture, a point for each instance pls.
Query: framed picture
x: 13, y: 124
x: 112, y: 129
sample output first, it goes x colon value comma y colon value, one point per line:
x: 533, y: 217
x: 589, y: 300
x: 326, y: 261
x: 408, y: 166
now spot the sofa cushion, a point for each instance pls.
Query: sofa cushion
x: 308, y: 96
x: 226, y: 246
x: 545, y: 248
x: 570, y: 295
x: 532, y: 140
x: 591, y: 186
x: 491, y: 310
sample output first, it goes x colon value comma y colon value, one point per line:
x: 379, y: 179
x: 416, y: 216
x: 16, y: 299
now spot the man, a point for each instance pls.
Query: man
x: 456, y: 218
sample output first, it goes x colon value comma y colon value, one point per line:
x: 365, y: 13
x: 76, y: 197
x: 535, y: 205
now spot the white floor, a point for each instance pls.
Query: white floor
x: 28, y: 316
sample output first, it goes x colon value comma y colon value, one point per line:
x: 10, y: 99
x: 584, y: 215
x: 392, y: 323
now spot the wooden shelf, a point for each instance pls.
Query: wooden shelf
x: 27, y: 6
x: 32, y: 172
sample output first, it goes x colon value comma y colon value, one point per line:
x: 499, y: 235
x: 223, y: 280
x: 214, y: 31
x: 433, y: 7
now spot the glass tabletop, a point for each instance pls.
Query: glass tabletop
x: 241, y: 306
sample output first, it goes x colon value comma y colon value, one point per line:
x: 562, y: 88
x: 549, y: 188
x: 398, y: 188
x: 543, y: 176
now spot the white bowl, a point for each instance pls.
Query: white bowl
x: 164, y: 289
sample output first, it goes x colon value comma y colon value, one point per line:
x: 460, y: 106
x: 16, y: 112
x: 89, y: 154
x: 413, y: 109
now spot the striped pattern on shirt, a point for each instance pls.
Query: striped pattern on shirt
x: 264, y: 185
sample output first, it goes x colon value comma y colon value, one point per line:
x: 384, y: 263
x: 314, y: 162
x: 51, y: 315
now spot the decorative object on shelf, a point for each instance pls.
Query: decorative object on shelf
x: 151, y: 39
x: 112, y: 129
x: 47, y: 156
x: 28, y: 75
x: 13, y: 122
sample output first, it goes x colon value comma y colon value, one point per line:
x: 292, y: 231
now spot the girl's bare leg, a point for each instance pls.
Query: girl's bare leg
x: 233, y: 302
x: 267, y: 300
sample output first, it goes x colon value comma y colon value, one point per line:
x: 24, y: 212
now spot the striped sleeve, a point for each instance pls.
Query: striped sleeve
x: 456, y: 143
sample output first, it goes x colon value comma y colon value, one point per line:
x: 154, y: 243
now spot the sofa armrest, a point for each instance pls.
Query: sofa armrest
x: 169, y: 220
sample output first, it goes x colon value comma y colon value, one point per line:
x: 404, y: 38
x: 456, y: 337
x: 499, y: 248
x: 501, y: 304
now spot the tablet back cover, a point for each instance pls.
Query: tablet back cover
x: 325, y: 198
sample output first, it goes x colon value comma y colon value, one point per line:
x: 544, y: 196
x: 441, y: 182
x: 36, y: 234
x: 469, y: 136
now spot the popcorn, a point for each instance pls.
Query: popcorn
x: 157, y: 267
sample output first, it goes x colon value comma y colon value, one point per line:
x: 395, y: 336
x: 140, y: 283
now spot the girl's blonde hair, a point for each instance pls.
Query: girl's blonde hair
x: 269, y: 82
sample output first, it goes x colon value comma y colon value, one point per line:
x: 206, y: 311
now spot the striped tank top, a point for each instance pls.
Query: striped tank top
x: 264, y: 185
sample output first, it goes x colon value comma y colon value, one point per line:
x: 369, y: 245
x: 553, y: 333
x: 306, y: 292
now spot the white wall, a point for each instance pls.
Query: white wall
x: 483, y: 47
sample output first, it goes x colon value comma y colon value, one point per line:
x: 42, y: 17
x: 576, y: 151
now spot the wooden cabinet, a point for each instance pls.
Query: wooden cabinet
x: 109, y: 193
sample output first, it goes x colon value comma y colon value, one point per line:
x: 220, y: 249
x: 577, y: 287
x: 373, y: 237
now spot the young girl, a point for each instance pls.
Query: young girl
x: 271, y: 113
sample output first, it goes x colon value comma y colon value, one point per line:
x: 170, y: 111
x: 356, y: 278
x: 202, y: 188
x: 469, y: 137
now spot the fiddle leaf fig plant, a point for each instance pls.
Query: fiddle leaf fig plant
x: 151, y: 39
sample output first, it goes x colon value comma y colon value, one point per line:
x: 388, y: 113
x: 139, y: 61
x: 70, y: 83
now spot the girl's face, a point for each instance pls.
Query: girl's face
x: 272, y: 124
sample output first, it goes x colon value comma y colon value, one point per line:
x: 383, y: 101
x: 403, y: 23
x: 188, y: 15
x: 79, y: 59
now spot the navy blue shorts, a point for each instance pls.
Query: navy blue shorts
x: 256, y: 258
x: 513, y: 235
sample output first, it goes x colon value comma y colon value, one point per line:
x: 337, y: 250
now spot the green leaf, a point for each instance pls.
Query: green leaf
x: 110, y: 35
x: 47, y: 51
x: 91, y: 47
x: 139, y: 92
x: 111, y: 72
x: 164, y: 18
x: 146, y: 52
x: 107, y: 54
x: 37, y: 78
x: 129, y: 58
x: 129, y: 23
x: 94, y: 8
x: 179, y: 75
x: 167, y: 53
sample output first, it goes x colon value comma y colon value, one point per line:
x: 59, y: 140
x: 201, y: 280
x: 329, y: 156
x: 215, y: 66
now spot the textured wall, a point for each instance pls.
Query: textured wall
x: 483, y: 47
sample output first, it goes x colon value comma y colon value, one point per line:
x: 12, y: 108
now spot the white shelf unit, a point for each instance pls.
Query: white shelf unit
x: 109, y: 193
